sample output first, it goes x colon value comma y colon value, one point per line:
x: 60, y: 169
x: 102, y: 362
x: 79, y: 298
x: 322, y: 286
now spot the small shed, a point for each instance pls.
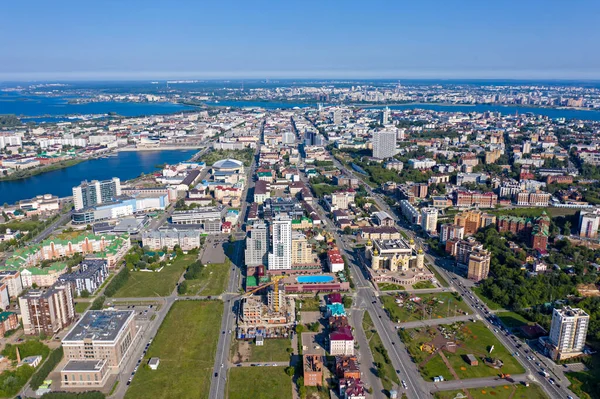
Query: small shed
x: 472, y: 360
x: 153, y: 363
x: 260, y: 341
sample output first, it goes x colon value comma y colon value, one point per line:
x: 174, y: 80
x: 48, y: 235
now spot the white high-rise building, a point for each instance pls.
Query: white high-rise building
x: 280, y: 257
x: 257, y: 245
x: 568, y: 331
x: 589, y: 222
x: 96, y: 192
x: 429, y: 218
x: 386, y: 116
x: 384, y: 144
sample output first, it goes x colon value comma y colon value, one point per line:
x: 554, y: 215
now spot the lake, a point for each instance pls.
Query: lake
x: 125, y: 165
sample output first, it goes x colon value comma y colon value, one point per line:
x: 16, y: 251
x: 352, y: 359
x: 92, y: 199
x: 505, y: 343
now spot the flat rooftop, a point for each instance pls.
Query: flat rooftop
x: 99, y: 325
x: 390, y: 245
x: 84, y: 365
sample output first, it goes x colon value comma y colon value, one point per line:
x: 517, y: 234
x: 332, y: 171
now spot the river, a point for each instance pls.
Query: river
x: 124, y: 165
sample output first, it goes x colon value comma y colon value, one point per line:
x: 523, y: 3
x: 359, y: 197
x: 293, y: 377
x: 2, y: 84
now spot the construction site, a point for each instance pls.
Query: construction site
x: 271, y: 315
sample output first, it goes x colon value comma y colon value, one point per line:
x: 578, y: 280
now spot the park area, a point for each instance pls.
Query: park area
x: 258, y: 383
x: 507, y: 391
x: 210, y: 280
x: 273, y: 350
x: 404, y: 307
x: 143, y: 284
x: 390, y: 287
x: 443, y: 351
x: 186, y: 344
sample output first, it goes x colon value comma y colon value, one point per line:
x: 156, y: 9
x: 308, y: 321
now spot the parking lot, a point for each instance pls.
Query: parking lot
x: 214, y: 249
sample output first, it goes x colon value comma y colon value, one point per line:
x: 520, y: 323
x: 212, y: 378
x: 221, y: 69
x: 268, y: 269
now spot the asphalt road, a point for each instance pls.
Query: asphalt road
x: 219, y: 379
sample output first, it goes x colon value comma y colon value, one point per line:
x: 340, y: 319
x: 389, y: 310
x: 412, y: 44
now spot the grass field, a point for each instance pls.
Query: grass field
x: 186, y: 344
x: 423, y: 285
x: 390, y: 287
x: 148, y: 284
x: 438, y: 276
x: 473, y: 338
x: 387, y: 374
x: 212, y: 281
x: 309, y: 304
x: 258, y: 383
x: 512, y: 319
x: 81, y: 307
x: 490, y: 304
x: 411, y: 311
x: 533, y: 391
x: 585, y: 383
x: 273, y: 350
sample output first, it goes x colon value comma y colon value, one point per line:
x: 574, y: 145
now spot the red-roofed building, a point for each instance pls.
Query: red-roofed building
x: 335, y: 260
x: 341, y: 342
x: 335, y: 297
x: 226, y: 227
x: 352, y: 388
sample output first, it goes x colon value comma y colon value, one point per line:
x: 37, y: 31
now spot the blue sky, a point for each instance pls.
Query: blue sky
x: 131, y: 39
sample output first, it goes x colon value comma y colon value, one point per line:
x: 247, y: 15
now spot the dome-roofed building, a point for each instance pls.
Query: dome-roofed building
x: 227, y: 170
x: 229, y: 165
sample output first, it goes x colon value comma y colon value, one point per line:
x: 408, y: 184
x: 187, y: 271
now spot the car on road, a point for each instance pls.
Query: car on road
x: 216, y: 374
x: 404, y: 384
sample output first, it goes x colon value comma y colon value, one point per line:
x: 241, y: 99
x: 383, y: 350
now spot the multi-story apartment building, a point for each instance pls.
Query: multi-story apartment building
x: 449, y: 231
x: 410, y: 212
x: 568, y: 332
x: 48, y: 310
x: 280, y: 257
x: 301, y: 250
x: 209, y: 219
x: 473, y: 220
x: 96, y: 192
x: 88, y: 277
x: 533, y: 198
x: 429, y: 218
x: 96, y: 346
x: 470, y: 199
x: 384, y: 144
x: 257, y: 245
x: 341, y: 342
x: 589, y: 222
x: 342, y: 199
x: 478, y: 265
x: 158, y: 239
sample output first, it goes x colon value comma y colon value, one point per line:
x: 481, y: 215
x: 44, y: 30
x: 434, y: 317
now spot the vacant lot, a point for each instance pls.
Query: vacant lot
x: 147, y: 284
x: 472, y: 338
x: 308, y: 304
x: 259, y: 383
x: 430, y: 306
x: 533, y: 391
x: 273, y: 350
x: 512, y: 319
x: 81, y: 307
x: 186, y: 344
x: 212, y: 280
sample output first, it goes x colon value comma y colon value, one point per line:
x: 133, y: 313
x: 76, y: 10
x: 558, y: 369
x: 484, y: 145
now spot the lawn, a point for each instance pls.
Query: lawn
x: 585, y: 383
x: 258, y: 383
x: 512, y: 319
x: 490, y: 304
x: 186, y: 344
x: 423, y: 285
x: 81, y: 307
x: 212, y: 280
x: 390, y: 287
x: 274, y: 350
x: 147, y: 284
x: 473, y: 338
x: 438, y: 276
x: 533, y: 391
x: 429, y: 307
x: 386, y: 374
x: 309, y: 304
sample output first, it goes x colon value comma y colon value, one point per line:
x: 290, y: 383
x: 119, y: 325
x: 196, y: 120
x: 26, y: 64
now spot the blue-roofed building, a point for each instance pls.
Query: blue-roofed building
x: 336, y: 310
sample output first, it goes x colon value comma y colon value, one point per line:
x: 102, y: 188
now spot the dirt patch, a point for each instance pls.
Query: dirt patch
x: 588, y: 290
x: 241, y: 352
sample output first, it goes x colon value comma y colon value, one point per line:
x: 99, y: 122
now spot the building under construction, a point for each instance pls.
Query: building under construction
x: 269, y: 316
